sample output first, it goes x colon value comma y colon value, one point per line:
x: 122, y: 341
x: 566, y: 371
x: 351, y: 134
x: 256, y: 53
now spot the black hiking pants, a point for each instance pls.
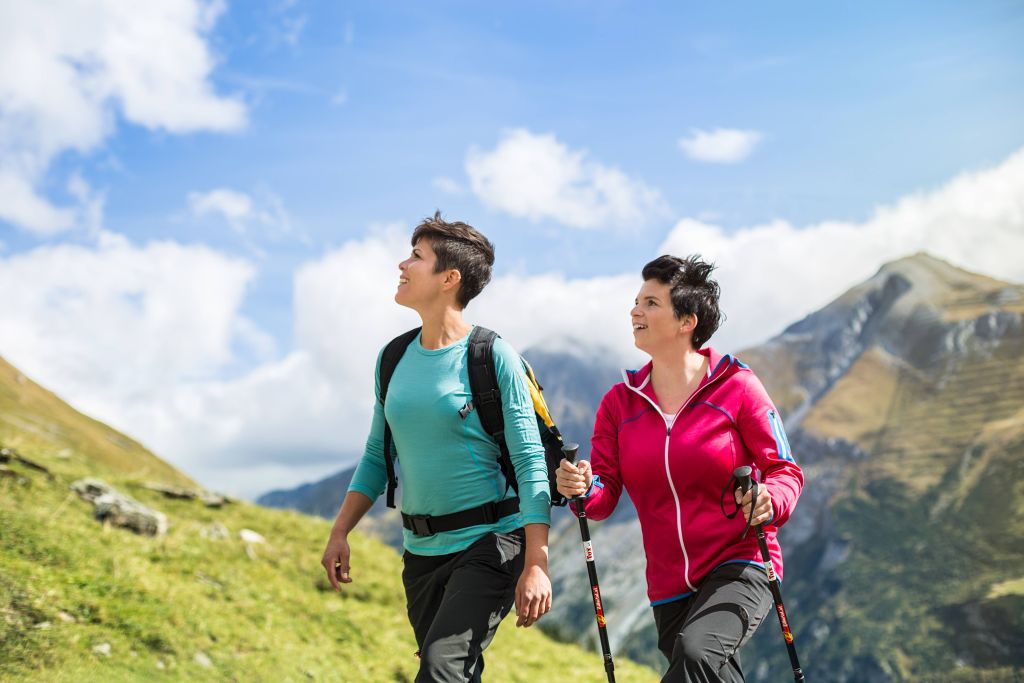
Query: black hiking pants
x: 701, y: 634
x: 456, y: 602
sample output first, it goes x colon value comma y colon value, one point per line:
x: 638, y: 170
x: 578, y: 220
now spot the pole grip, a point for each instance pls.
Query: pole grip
x: 742, y: 477
x: 569, y: 451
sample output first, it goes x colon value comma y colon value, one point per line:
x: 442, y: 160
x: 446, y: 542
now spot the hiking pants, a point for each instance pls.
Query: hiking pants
x: 701, y: 634
x: 457, y: 601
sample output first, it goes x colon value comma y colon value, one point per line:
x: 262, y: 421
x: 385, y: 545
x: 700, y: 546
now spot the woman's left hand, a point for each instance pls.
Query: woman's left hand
x: 764, y: 510
x: 533, y: 595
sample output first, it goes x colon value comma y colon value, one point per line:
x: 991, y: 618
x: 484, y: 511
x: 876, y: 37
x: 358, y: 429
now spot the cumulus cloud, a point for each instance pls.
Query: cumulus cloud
x: 537, y: 177
x: 117, y: 322
x: 233, y: 206
x: 71, y: 68
x: 243, y: 212
x: 774, y: 274
x: 721, y: 145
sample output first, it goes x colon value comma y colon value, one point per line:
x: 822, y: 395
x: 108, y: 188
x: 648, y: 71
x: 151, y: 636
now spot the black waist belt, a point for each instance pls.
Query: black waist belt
x: 488, y: 513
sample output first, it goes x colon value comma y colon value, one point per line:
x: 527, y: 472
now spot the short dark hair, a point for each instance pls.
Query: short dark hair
x: 461, y: 246
x: 693, y: 291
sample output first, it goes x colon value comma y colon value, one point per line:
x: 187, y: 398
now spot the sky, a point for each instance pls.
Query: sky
x: 203, y: 203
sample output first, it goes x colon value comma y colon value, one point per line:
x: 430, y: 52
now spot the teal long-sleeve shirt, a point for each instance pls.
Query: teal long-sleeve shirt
x: 449, y: 463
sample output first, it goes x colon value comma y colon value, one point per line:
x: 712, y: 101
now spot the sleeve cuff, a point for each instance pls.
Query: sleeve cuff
x: 365, y: 490
x: 537, y: 519
x: 596, y: 481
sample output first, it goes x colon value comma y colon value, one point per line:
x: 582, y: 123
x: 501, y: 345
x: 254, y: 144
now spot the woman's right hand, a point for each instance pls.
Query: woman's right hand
x: 335, y: 560
x: 573, y: 480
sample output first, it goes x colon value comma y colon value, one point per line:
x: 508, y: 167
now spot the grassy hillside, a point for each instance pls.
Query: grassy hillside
x: 192, y: 606
x: 34, y: 419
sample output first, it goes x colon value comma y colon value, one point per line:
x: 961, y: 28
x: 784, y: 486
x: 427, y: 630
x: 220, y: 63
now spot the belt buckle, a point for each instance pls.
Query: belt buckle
x: 421, y: 525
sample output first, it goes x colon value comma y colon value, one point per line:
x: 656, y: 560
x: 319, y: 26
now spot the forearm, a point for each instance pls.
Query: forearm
x: 353, y: 508
x: 784, y: 481
x: 537, y: 545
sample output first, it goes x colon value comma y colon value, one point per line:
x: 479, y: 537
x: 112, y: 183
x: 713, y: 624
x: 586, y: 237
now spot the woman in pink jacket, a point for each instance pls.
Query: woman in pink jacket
x: 672, y: 433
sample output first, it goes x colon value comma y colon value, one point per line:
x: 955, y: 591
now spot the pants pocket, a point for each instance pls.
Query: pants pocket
x: 510, y: 548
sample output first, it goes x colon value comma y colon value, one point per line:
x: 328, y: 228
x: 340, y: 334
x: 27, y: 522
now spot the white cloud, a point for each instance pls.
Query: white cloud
x: 244, y: 212
x: 448, y: 185
x: 235, y: 207
x: 721, y: 145
x: 538, y: 177
x: 774, y: 274
x: 72, y: 66
x: 115, y: 322
x: 22, y: 206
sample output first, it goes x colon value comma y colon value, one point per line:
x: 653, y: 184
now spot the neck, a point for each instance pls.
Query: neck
x: 442, y: 327
x: 678, y: 367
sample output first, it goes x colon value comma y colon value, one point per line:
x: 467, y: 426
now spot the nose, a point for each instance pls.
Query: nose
x: 402, y: 265
x: 633, y: 312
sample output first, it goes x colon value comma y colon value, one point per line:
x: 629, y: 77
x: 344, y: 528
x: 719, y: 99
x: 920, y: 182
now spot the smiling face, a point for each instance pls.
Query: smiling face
x: 655, y: 325
x: 418, y: 285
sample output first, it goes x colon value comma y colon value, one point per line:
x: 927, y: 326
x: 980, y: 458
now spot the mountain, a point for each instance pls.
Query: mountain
x: 231, y: 591
x: 905, y: 397
x: 904, y: 403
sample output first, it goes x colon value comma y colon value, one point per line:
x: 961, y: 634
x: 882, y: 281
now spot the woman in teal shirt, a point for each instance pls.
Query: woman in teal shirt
x: 459, y: 583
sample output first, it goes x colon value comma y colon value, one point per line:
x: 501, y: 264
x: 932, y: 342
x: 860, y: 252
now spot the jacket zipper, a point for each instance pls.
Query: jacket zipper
x: 668, y: 471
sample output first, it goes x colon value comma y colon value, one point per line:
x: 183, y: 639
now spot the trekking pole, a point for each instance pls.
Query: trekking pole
x: 742, y: 476
x: 569, y: 451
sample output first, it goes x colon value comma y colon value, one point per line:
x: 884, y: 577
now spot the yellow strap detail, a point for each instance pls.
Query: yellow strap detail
x: 540, y: 406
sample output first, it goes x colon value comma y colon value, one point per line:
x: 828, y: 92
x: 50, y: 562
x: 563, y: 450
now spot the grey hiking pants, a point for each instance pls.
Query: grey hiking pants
x: 701, y: 634
x: 456, y: 602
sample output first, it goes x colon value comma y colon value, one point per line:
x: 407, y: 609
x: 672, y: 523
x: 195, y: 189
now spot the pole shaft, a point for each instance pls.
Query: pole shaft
x: 780, y: 608
x: 595, y: 592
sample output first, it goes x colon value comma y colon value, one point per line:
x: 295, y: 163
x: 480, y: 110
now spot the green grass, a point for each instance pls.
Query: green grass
x: 159, y: 602
x: 69, y: 584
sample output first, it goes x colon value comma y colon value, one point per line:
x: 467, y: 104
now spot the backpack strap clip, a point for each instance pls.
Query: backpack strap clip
x: 488, y: 398
x: 418, y: 524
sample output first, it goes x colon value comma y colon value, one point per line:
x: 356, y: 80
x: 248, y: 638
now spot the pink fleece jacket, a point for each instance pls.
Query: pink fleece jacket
x: 676, y: 467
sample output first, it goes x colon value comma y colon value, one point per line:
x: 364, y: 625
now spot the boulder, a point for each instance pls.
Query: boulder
x: 250, y: 536
x: 120, y: 510
x: 172, y: 491
x: 9, y: 455
x: 213, y: 500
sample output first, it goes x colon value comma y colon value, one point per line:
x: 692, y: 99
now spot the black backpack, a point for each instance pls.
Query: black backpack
x: 483, y: 383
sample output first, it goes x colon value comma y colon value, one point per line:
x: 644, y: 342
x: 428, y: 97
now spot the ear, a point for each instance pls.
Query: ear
x: 452, y: 279
x: 687, y: 324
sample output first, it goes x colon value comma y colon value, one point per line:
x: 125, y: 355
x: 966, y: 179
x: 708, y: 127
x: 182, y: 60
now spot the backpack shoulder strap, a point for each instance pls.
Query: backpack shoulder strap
x: 393, y: 353
x: 483, y: 383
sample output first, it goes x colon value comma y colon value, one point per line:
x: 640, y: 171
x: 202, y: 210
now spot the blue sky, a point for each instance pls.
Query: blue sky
x: 292, y: 134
